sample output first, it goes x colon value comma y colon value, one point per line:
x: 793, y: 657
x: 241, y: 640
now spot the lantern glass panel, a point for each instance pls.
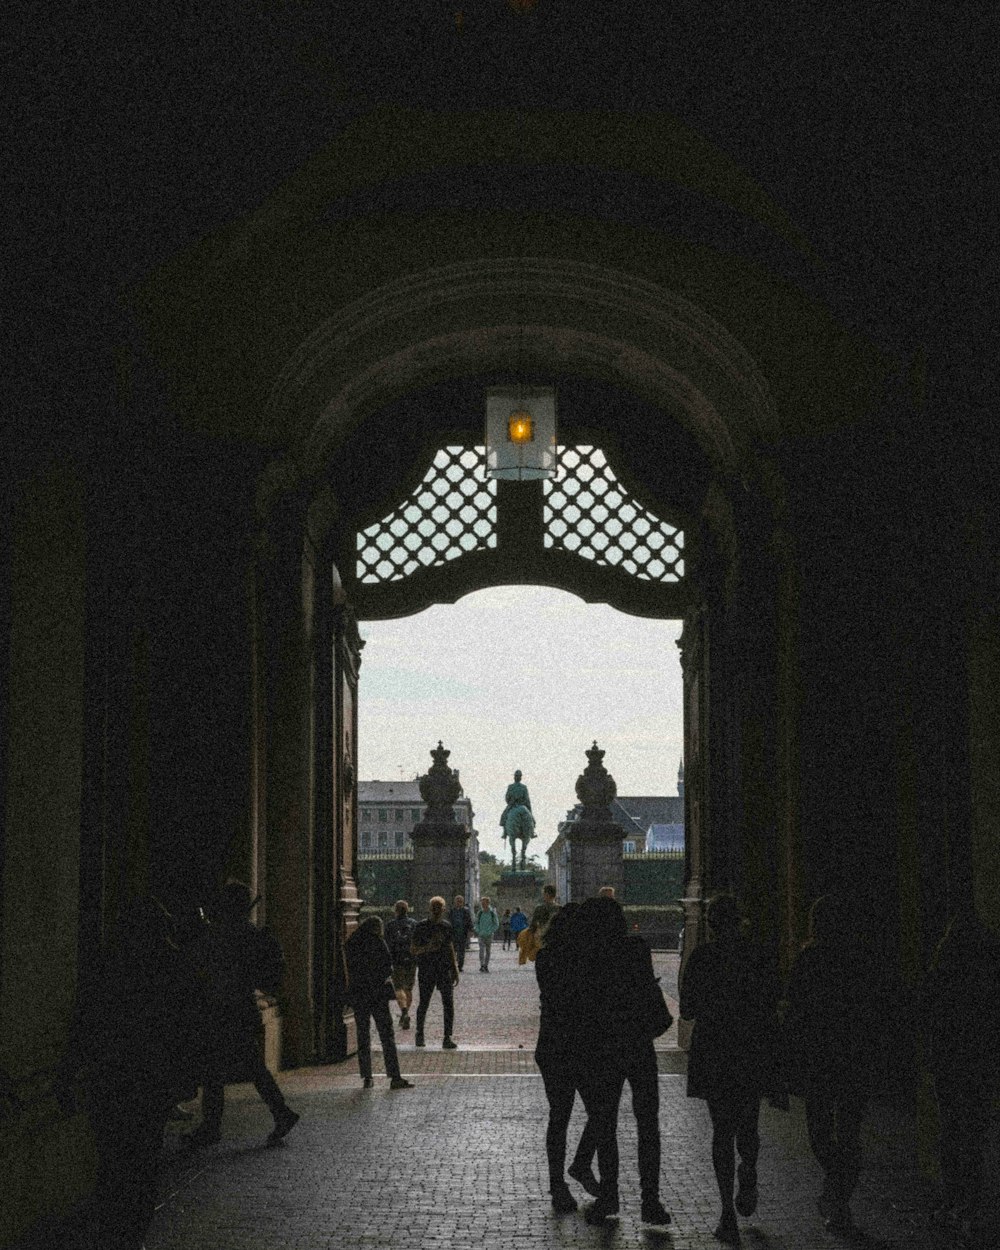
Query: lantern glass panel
x: 520, y: 433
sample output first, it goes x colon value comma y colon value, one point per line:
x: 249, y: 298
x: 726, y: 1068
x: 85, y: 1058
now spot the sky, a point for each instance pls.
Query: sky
x: 522, y: 677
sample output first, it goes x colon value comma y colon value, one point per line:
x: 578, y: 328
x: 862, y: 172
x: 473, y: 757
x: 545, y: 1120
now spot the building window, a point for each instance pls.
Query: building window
x: 383, y: 840
x: 366, y: 841
x: 400, y: 840
x: 365, y: 815
x: 414, y: 813
x: 383, y: 815
x: 629, y: 848
x: 399, y: 815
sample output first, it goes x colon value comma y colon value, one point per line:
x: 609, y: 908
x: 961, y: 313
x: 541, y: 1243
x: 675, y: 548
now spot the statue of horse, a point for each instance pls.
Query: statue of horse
x: 519, y: 826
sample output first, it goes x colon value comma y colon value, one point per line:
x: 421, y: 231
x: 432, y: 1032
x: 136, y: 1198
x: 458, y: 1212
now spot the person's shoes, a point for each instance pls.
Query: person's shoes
x: 404, y: 1020
x: 200, y: 1138
x: 728, y: 1231
x: 601, y: 1210
x: 448, y: 1044
x: 562, y: 1200
x: 283, y: 1125
x: 419, y: 1040
x: 746, y: 1199
x: 654, y: 1212
x: 368, y: 1082
x: 400, y: 1082
x: 585, y: 1176
x: 486, y: 969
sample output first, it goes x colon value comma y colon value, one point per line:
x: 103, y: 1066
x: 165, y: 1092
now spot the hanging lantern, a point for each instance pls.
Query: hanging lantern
x: 520, y: 433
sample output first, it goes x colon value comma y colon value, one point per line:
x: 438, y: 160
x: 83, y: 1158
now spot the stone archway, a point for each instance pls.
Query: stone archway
x: 593, y: 323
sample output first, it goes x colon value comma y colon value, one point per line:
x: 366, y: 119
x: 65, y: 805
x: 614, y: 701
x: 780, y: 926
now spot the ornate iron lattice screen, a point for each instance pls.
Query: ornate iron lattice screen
x: 451, y: 512
x: 587, y: 511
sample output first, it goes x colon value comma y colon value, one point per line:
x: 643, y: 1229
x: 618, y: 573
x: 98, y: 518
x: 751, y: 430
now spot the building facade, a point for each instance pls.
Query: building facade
x: 387, y: 812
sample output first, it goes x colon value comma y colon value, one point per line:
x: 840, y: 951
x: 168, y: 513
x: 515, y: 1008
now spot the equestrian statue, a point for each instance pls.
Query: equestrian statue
x: 517, y: 822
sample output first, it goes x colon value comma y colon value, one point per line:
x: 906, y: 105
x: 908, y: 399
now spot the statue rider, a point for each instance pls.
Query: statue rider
x: 516, y: 796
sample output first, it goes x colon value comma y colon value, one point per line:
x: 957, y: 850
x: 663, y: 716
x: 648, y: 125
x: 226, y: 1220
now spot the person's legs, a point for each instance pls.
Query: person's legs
x: 820, y: 1127
x: 460, y: 950
x: 725, y: 1115
x: 362, y: 1019
x: 485, y: 947
x: 425, y: 988
x: 748, y: 1149
x: 447, y: 991
x: 560, y: 1092
x: 848, y: 1113
x: 383, y: 1022
x: 646, y: 1109
x: 601, y: 1093
x: 212, y: 1102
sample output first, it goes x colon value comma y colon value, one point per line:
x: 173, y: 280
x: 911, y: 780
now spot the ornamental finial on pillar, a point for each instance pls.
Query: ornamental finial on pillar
x: 440, y: 788
x: 595, y: 787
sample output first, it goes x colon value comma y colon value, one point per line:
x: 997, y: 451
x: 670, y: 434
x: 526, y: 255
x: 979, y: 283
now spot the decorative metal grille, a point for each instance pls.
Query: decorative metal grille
x: 452, y: 511
x: 587, y: 511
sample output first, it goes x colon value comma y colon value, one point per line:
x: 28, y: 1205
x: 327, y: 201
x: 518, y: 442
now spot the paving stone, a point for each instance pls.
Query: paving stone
x: 459, y: 1160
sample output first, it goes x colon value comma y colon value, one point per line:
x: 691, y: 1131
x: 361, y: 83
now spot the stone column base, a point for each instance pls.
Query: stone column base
x: 595, y: 858
x: 439, y: 853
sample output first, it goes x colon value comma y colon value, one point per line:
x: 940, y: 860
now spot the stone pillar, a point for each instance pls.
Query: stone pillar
x: 439, y: 841
x: 594, y: 841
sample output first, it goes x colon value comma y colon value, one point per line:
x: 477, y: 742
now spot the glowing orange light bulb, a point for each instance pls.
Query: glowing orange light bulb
x: 520, y: 427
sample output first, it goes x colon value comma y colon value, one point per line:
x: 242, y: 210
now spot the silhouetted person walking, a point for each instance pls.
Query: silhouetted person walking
x: 629, y: 1012
x: 134, y: 1050
x: 834, y: 1048
x: 437, y: 969
x: 236, y: 958
x: 505, y: 927
x: 961, y: 1005
x: 559, y: 1050
x: 370, y: 991
x: 460, y: 919
x: 732, y: 1000
x: 399, y: 938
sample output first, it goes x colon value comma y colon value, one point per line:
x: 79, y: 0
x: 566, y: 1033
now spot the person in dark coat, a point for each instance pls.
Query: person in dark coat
x: 369, y: 991
x: 833, y: 1048
x: 135, y: 1048
x: 630, y: 1013
x: 235, y: 959
x: 558, y: 1049
x: 732, y: 998
x: 960, y: 999
x: 433, y: 948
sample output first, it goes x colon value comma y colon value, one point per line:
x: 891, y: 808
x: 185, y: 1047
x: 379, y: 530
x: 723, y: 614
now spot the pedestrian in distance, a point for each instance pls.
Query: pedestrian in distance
x: 486, y: 924
x: 831, y: 1062
x: 437, y: 969
x: 960, y: 1005
x: 505, y: 928
x: 542, y: 916
x: 518, y: 923
x: 399, y: 938
x: 135, y: 1049
x: 731, y: 994
x: 234, y: 959
x: 369, y: 992
x: 460, y: 919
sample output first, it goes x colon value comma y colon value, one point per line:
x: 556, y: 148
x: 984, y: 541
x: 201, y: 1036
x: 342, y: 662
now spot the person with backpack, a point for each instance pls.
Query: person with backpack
x: 399, y: 939
x: 437, y: 969
x: 486, y: 925
x: 234, y: 959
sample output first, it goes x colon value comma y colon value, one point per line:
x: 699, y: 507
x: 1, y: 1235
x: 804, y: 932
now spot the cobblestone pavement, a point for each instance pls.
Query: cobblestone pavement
x: 459, y: 1160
